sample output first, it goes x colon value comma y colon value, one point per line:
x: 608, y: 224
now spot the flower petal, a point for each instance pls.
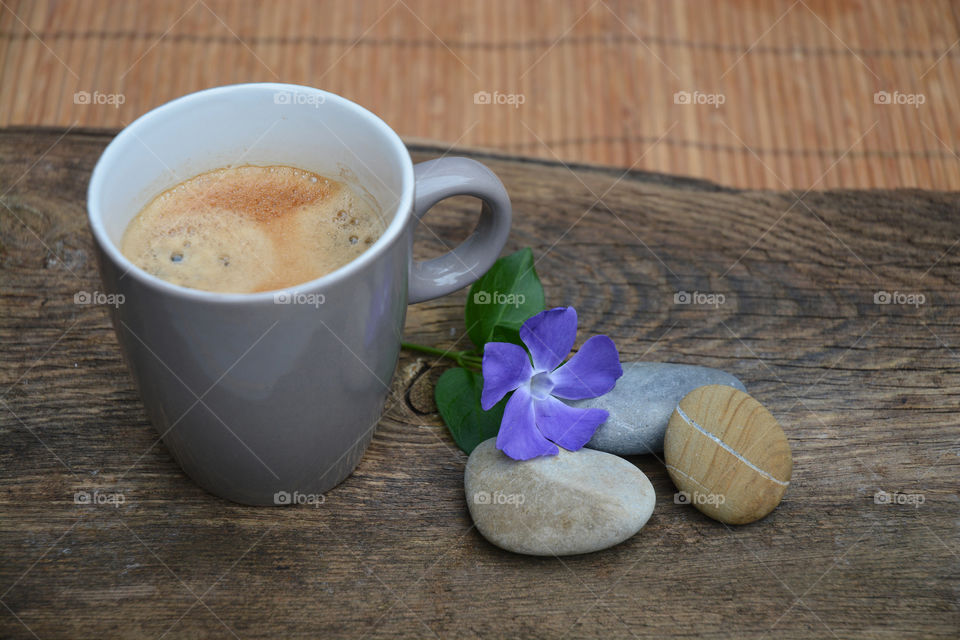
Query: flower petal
x: 591, y: 372
x: 569, y: 427
x: 505, y: 367
x: 519, y: 437
x: 549, y: 336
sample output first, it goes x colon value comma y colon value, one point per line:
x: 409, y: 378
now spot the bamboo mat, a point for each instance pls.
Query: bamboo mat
x: 750, y: 94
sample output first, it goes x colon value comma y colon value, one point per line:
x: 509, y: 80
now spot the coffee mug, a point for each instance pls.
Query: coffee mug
x: 272, y: 398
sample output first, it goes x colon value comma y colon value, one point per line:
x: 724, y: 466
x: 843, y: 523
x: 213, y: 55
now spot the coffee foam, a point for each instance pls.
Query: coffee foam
x: 250, y: 228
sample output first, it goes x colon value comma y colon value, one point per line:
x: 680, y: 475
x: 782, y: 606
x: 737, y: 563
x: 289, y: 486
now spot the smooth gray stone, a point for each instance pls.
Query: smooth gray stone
x: 641, y: 404
x: 570, y: 503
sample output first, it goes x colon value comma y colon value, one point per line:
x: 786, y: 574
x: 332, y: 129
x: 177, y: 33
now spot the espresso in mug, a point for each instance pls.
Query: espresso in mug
x: 250, y: 228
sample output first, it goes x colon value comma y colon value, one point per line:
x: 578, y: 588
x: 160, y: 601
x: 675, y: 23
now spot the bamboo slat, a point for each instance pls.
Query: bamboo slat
x: 597, y: 77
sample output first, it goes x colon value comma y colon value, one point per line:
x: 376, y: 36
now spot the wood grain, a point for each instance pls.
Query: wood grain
x: 867, y: 395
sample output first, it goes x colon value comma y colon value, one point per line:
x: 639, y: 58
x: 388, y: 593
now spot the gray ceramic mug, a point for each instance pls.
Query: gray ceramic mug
x: 271, y: 398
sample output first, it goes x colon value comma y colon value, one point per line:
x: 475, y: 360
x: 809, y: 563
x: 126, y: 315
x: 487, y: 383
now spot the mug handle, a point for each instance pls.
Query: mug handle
x: 443, y: 178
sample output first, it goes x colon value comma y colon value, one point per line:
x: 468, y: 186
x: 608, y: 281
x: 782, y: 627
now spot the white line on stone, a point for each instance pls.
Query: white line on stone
x: 728, y: 448
x: 688, y: 477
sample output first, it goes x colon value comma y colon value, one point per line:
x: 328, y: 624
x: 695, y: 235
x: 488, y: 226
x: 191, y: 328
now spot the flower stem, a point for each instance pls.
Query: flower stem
x: 431, y: 350
x: 466, y: 359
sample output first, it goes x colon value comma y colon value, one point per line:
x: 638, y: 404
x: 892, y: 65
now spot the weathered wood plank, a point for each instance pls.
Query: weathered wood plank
x: 867, y: 395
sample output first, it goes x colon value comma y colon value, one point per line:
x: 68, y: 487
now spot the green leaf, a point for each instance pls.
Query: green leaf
x: 458, y: 399
x: 503, y: 299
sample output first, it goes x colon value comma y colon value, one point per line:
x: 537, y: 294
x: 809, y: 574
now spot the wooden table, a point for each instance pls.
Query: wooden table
x: 867, y: 394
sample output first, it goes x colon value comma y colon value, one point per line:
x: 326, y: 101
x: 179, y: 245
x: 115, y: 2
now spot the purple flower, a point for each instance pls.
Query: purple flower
x: 535, y: 421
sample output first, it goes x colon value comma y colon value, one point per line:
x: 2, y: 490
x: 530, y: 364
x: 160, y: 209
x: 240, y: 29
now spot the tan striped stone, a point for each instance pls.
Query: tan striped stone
x: 727, y: 454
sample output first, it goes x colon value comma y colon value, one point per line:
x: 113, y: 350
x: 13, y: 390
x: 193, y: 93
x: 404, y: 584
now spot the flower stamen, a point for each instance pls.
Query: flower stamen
x: 541, y: 385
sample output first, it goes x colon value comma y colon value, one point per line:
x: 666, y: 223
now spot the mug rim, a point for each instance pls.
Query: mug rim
x: 98, y: 182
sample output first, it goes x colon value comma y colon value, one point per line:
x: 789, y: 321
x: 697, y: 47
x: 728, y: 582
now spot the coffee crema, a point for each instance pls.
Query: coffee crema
x: 250, y: 228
